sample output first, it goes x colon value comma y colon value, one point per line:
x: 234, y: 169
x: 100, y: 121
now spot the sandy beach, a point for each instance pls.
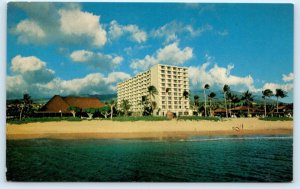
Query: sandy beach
x: 146, y: 129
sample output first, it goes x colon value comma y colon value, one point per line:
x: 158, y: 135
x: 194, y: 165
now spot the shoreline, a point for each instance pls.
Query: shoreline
x: 106, y: 129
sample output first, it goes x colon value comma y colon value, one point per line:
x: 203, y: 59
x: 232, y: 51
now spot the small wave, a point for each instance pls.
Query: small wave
x: 237, y: 138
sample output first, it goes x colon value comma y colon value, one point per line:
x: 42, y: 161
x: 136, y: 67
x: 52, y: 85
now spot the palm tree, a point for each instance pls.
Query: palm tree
x: 235, y: 99
x: 167, y: 92
x: 112, y: 104
x: 196, y: 103
x: 266, y: 93
x: 248, y: 98
x: 211, y: 96
x: 25, y: 105
x: 280, y: 93
x: 206, y: 86
x: 226, y: 89
x: 229, y: 100
x: 125, y: 106
x: 185, y: 94
x: 152, y: 92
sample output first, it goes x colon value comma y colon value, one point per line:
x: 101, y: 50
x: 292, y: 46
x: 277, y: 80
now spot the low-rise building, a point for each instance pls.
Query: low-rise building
x: 61, y: 105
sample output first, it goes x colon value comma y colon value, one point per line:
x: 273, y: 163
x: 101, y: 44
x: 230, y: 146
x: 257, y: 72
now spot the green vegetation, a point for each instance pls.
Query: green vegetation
x: 140, y: 118
x: 105, y: 111
x: 226, y: 90
x: 125, y: 106
x: 206, y: 86
x: 197, y: 118
x: 152, y: 92
x: 74, y: 110
x: 43, y: 119
x: 276, y: 119
x: 248, y: 99
x: 279, y: 93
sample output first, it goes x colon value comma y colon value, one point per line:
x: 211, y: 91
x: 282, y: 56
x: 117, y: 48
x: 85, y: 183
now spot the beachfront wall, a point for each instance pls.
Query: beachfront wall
x: 162, y: 77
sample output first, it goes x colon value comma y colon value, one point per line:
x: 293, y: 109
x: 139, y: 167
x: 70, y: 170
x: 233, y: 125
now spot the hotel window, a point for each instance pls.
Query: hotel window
x: 163, y: 93
x: 163, y: 84
x: 163, y: 89
x: 163, y: 97
x: 163, y: 107
x: 170, y: 98
x: 163, y: 80
x: 170, y: 107
x: 163, y: 102
x: 175, y: 107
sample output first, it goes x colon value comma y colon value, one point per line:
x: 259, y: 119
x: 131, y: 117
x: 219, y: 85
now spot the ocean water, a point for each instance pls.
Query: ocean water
x: 196, y: 159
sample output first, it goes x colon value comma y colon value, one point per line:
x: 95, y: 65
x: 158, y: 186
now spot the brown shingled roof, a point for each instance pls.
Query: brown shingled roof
x: 58, y: 103
x: 84, y: 102
x: 241, y: 108
x: 219, y: 110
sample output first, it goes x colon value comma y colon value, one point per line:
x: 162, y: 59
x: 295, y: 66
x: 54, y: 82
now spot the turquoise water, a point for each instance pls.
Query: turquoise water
x: 197, y: 159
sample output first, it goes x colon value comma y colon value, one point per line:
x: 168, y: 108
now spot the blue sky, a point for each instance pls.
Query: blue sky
x: 87, y: 48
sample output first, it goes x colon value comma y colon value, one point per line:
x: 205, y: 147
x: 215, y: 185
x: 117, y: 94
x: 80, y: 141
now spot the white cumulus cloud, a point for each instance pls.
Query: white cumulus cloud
x: 26, y: 64
x: 29, y: 30
x: 273, y: 86
x: 170, y: 54
x: 78, y: 23
x: 32, y: 69
x: 170, y: 31
x: 97, y: 60
x: 94, y: 83
x: 81, y: 55
x: 287, y: 86
x: 117, y: 30
x: 63, y: 23
x: 214, y: 75
x: 287, y: 78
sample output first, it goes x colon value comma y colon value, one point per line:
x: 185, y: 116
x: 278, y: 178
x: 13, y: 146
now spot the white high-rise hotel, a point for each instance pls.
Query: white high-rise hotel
x: 163, y: 77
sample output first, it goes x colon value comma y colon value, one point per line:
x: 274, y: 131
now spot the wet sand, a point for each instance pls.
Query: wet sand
x: 106, y: 129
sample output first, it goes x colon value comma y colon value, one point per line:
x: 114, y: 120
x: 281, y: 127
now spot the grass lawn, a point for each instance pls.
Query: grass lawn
x: 140, y: 118
x: 276, y: 119
x: 198, y: 118
x: 42, y: 119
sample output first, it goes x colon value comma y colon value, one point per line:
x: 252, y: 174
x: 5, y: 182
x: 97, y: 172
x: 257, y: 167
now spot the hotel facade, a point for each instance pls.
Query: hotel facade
x: 170, y: 82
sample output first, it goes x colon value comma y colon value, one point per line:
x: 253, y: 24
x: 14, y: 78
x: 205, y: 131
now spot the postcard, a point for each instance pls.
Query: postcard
x: 149, y: 92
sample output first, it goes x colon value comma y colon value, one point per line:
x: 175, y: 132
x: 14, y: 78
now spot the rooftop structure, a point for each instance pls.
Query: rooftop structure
x: 61, y: 104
